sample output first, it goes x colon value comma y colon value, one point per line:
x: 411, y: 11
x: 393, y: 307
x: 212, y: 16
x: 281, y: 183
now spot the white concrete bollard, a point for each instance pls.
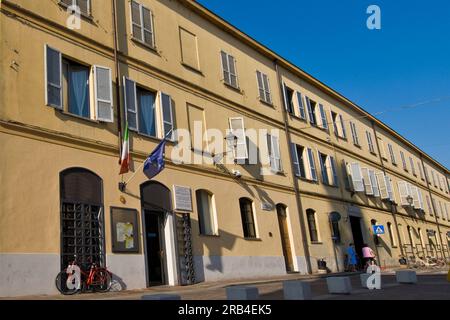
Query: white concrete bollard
x: 297, y: 290
x: 340, y: 285
x: 406, y: 276
x: 161, y: 297
x: 242, y: 293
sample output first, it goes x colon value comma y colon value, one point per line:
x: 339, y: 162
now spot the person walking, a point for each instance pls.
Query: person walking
x: 351, y: 258
x: 368, y: 255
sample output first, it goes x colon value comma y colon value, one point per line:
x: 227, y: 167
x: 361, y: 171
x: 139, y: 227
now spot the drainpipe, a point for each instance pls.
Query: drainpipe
x: 432, y: 204
x: 393, y: 207
x: 116, y: 66
x: 294, y: 178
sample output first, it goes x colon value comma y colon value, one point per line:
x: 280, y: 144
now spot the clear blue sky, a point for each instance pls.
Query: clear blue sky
x: 404, y: 63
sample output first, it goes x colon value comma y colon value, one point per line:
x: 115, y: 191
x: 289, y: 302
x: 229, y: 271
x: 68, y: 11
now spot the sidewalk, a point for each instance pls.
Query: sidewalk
x: 432, y: 285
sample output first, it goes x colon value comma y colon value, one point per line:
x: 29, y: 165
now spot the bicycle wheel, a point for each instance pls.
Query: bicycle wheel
x: 102, y: 280
x: 61, y: 283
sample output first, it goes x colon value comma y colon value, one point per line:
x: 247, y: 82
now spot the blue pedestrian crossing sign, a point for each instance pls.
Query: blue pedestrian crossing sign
x: 378, y: 229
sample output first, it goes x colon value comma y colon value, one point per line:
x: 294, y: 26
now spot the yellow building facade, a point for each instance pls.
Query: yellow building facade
x: 327, y: 172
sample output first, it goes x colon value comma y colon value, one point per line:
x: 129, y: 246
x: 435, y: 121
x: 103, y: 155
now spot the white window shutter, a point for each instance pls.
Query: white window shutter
x: 347, y: 175
x: 367, y: 182
x: 403, y: 190
x: 415, y: 195
x: 420, y: 199
x: 238, y: 129
x: 295, y: 160
x: 334, y: 171
x: 136, y: 20
x: 390, y: 188
x: 374, y: 182
x: 168, y: 125
x: 310, y: 111
x: 357, y: 178
x: 103, y: 94
x: 130, y: 98
x: 301, y: 106
x: 53, y: 75
x: 275, y: 154
x: 382, y: 185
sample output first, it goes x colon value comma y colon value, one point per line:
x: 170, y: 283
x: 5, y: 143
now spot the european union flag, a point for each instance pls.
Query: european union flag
x: 155, y: 161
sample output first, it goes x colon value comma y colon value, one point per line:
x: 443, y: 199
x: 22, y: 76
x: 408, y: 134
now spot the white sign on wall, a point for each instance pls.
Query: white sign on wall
x: 183, y: 198
x: 266, y: 206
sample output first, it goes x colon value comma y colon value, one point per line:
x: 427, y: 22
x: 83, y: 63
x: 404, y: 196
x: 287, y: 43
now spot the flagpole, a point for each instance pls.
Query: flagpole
x: 122, y: 185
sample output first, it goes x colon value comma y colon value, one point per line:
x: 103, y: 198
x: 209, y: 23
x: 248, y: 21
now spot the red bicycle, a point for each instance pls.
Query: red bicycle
x: 73, y: 279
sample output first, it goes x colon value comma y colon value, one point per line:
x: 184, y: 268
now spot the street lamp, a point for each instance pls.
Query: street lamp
x: 410, y: 200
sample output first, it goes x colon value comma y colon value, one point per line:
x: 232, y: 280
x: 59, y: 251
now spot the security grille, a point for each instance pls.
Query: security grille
x: 82, y: 234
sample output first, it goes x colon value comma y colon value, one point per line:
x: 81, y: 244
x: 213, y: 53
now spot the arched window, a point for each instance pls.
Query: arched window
x: 206, y: 210
x: 335, y: 232
x: 313, y: 233
x: 247, y: 216
x: 82, y: 225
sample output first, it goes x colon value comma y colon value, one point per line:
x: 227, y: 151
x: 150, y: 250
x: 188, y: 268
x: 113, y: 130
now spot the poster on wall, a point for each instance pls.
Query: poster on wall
x: 124, y: 230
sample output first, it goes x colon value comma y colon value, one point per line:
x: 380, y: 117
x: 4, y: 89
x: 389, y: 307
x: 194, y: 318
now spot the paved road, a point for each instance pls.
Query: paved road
x: 431, y: 285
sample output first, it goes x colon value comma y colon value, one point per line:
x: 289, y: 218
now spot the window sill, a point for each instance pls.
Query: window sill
x: 330, y: 185
x: 307, y: 180
x: 193, y: 69
x: 146, y: 45
x: 66, y: 113
x: 316, y: 242
x: 87, y: 16
x: 229, y: 86
x: 297, y: 117
x: 208, y: 235
x: 373, y: 153
x: 155, y: 139
x: 252, y: 239
x: 269, y: 104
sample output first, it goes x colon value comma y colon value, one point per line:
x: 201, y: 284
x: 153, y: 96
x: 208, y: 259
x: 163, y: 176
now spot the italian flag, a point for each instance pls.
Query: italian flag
x: 125, y: 157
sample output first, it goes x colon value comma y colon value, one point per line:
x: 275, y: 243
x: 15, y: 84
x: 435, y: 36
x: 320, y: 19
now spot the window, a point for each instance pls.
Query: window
x: 446, y: 211
x: 298, y: 160
x: 273, y: 147
x: 311, y: 106
x: 76, y: 88
x: 354, y: 133
x: 328, y: 169
x: 289, y: 99
x: 323, y: 117
x: 392, y: 154
x: 391, y: 235
x: 142, y: 24
x: 413, y: 169
x: 335, y: 232
x: 313, y: 233
x: 238, y: 129
x: 436, y: 208
x: 84, y: 5
x: 402, y: 155
x: 229, y: 69
x: 434, y: 178
x: 263, y: 87
x: 382, y: 185
x: 189, y: 49
x: 142, y: 111
x: 68, y: 86
x: 370, y: 141
x: 206, y: 213
x: 301, y: 107
x: 441, y: 210
x: 248, y: 220
x: 338, y: 125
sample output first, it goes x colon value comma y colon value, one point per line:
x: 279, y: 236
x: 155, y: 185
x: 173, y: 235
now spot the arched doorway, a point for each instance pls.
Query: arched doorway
x: 285, y: 239
x: 82, y: 218
x: 157, y: 221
